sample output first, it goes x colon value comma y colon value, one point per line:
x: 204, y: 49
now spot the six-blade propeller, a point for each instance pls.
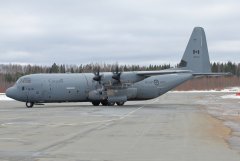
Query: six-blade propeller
x: 117, y: 74
x: 97, y: 77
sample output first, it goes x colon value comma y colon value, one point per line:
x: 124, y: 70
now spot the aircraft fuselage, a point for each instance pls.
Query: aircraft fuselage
x: 41, y: 88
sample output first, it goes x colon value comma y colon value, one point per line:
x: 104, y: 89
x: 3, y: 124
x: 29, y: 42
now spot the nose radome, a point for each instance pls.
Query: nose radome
x: 10, y: 92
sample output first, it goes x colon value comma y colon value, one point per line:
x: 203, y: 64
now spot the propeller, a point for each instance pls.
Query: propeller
x: 97, y: 77
x: 117, y: 74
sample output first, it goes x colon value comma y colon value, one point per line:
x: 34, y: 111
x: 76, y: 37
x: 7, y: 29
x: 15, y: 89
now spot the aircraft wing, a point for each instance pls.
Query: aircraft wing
x: 212, y: 74
x: 161, y: 72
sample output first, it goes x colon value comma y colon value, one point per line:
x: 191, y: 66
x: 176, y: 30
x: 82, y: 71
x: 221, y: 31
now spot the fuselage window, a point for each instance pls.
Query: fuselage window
x: 23, y: 88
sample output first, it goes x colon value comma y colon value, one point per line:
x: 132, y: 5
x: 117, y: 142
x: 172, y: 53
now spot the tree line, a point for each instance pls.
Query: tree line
x: 9, y: 73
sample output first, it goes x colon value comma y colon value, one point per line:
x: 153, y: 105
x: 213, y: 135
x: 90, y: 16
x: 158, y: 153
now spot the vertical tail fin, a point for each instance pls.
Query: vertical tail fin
x: 196, y: 57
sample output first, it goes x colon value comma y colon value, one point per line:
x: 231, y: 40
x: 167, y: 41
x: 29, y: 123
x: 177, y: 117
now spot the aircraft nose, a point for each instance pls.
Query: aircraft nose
x: 10, y: 92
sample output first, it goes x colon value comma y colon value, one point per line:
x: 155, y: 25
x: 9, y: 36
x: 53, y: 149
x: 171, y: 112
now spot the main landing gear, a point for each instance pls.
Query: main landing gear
x: 29, y: 104
x: 96, y: 103
x: 120, y: 103
x: 106, y: 103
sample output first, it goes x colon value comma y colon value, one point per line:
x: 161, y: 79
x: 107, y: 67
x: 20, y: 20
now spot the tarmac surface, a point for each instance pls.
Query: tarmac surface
x: 173, y: 127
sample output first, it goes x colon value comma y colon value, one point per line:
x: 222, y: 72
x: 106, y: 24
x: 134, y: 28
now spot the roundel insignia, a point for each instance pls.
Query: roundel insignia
x: 156, y: 82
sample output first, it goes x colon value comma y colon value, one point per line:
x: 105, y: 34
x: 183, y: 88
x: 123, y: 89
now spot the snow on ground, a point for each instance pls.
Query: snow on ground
x: 230, y: 96
x: 3, y: 97
x: 230, y: 90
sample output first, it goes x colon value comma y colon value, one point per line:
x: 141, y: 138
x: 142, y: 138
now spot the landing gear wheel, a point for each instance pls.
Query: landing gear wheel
x: 96, y: 103
x: 111, y: 103
x: 104, y: 102
x: 29, y: 104
x: 120, y: 103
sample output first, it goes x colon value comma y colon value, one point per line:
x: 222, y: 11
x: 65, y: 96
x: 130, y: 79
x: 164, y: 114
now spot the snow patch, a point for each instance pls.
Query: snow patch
x: 231, y: 96
x: 3, y: 97
x: 226, y: 90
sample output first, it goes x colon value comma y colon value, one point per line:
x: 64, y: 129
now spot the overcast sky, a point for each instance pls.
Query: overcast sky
x: 123, y: 31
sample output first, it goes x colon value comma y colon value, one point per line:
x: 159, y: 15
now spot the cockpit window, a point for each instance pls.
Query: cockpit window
x: 24, y: 80
x: 18, y: 81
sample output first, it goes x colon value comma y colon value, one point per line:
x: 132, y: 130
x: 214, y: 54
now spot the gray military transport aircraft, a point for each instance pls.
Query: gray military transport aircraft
x: 118, y: 87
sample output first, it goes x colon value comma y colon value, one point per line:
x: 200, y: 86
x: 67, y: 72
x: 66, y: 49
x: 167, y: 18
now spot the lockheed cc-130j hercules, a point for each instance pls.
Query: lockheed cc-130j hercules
x: 108, y: 88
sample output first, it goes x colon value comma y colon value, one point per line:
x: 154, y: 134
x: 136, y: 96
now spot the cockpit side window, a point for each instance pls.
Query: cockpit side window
x: 19, y: 81
x: 24, y: 80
